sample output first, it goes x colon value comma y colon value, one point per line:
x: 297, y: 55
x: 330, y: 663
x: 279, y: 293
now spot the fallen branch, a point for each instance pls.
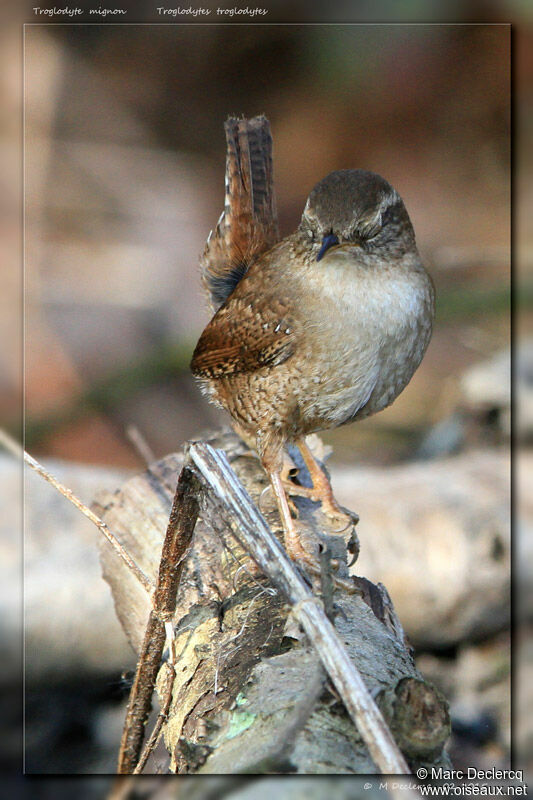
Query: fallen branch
x: 249, y: 693
x: 250, y: 529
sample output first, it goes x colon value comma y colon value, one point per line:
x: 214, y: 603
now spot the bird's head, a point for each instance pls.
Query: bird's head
x: 356, y: 207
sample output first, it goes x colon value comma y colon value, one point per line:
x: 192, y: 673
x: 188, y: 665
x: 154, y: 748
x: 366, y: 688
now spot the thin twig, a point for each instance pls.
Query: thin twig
x: 142, y: 448
x: 176, y: 545
x: 13, y: 447
x: 251, y: 531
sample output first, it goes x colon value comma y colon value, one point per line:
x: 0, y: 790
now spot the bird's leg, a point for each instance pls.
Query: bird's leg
x: 270, y: 449
x: 322, y: 490
x: 293, y: 543
x: 321, y: 486
x: 272, y: 460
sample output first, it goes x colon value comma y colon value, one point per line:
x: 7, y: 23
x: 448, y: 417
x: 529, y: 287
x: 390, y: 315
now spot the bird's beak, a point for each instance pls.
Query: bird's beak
x: 328, y: 241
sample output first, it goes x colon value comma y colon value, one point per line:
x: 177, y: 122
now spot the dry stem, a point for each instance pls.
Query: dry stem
x: 176, y: 545
x: 14, y: 448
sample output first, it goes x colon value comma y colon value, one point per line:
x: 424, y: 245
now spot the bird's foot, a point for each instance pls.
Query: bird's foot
x: 343, y: 520
x: 321, y: 491
x: 312, y: 564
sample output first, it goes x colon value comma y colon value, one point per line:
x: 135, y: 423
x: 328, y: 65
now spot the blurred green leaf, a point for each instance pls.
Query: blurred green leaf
x: 472, y: 301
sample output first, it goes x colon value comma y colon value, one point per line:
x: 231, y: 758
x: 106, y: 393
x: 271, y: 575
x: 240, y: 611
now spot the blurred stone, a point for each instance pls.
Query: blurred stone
x: 477, y: 684
x: 487, y: 387
x: 483, y: 691
x: 483, y: 409
x: 70, y: 628
x: 445, y: 438
x: 438, y: 536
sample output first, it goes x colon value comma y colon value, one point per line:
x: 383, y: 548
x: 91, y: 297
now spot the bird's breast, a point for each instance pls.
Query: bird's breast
x: 367, y: 329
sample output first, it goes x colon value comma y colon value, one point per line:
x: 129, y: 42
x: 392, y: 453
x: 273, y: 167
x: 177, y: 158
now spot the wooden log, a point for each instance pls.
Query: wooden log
x: 250, y: 693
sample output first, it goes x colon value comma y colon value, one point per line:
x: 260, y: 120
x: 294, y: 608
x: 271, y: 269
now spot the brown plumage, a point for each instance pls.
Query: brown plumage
x: 325, y: 327
x: 248, y: 225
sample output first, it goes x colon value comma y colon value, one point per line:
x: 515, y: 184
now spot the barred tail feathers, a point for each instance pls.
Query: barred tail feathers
x: 248, y: 225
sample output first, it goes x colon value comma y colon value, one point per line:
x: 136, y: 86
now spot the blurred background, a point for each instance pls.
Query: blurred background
x: 124, y: 178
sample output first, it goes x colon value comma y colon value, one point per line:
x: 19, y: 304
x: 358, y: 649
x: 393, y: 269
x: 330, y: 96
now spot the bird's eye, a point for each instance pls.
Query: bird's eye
x: 369, y: 228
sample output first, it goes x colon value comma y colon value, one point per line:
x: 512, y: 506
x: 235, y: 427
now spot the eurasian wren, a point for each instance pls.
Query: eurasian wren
x: 326, y: 327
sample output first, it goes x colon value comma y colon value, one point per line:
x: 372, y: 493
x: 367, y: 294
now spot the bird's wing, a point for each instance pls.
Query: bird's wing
x: 243, y: 337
